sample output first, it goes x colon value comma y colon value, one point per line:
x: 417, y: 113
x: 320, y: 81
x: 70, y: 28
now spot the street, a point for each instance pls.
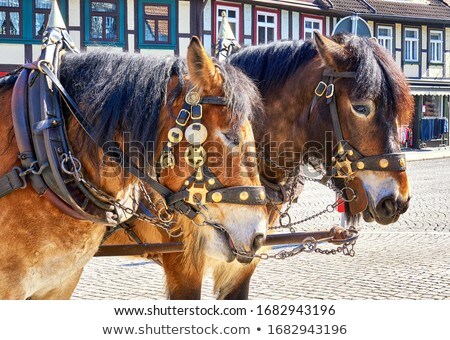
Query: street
x: 406, y: 260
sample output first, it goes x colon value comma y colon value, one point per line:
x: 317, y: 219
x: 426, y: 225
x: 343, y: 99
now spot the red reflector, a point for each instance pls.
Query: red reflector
x: 341, y: 206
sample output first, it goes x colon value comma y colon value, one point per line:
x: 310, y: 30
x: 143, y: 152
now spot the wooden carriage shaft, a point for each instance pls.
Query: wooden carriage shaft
x: 177, y: 247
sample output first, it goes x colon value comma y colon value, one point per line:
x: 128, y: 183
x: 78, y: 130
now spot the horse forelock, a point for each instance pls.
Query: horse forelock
x: 378, y: 77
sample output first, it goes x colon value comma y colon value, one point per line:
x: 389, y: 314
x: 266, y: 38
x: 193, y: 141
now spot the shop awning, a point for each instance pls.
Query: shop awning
x: 430, y: 90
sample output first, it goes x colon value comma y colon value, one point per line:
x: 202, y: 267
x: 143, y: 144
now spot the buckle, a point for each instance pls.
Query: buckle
x: 330, y: 91
x: 183, y: 117
x: 320, y: 89
x: 196, y: 111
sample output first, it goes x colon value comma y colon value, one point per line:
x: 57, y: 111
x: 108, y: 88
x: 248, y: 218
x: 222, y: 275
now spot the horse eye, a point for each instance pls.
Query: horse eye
x: 361, y: 109
x: 233, y: 138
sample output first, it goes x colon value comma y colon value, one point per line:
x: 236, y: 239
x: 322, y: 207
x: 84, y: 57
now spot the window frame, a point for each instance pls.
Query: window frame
x: 276, y: 25
x: 173, y: 24
x: 103, y: 15
x: 35, y: 11
x: 411, y: 40
x: 440, y: 42
x: 391, y: 38
x: 120, y: 40
x: 8, y: 10
x: 27, y: 24
x: 239, y: 34
x: 312, y: 18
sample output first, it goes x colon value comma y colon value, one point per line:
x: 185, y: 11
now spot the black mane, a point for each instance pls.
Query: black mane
x: 120, y: 92
x: 269, y: 66
x: 377, y: 76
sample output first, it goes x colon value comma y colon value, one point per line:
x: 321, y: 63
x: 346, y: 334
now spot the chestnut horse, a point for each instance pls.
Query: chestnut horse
x: 371, y: 105
x: 43, y: 251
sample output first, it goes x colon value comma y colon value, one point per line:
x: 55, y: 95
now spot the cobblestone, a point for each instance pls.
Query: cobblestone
x: 409, y: 259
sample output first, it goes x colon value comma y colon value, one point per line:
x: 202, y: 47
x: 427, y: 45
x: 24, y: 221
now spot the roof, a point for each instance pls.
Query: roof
x: 424, y: 9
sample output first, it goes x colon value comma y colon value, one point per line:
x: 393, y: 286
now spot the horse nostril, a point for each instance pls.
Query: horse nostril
x: 387, y: 207
x: 258, y: 241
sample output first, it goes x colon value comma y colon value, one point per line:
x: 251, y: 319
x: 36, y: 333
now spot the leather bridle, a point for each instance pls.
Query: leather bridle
x: 347, y: 160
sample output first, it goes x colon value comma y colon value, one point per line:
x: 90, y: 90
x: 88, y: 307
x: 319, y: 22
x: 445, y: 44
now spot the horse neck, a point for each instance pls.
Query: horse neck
x: 110, y: 179
x: 288, y: 124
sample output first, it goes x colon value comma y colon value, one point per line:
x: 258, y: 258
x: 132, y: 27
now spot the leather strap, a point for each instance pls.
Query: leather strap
x: 11, y: 182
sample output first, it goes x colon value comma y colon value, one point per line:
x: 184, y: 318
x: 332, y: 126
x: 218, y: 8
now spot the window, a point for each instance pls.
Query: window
x: 156, y: 23
x: 24, y: 21
x: 41, y: 10
x: 157, y: 20
x: 385, y: 37
x: 104, y: 17
x: 310, y: 25
x: 267, y: 27
x: 232, y: 17
x: 412, y: 44
x: 436, y: 46
x: 10, y: 18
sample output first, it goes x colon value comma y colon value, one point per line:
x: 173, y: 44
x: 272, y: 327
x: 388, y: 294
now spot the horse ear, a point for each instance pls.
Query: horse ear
x: 334, y: 55
x: 202, y: 71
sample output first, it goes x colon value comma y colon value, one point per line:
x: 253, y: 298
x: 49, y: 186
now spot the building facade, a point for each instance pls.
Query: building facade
x: 415, y: 32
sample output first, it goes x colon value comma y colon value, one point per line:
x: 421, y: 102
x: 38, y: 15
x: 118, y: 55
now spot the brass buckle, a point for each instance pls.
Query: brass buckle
x: 196, y: 111
x: 187, y: 118
x: 330, y: 91
x: 320, y: 89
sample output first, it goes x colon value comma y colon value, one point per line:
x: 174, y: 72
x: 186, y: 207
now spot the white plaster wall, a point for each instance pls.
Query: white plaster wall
x: 447, y: 55
x: 411, y: 70
x: 435, y: 71
x: 157, y: 53
x: 76, y: 37
x: 103, y: 48
x: 424, y: 38
x: 295, y: 25
x: 184, y: 43
x: 284, y: 24
x: 36, y: 51
x: 130, y: 14
x: 12, y: 54
x: 131, y: 43
x: 207, y: 41
x: 247, y: 19
x: 184, y: 17
x: 207, y: 17
x: 398, y: 36
x: 74, y: 13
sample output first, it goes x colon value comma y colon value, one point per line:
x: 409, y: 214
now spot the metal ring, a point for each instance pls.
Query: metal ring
x: 75, y: 162
x: 282, y: 216
x: 167, y: 219
x: 309, y: 244
x: 50, y: 66
x: 347, y: 200
x: 19, y: 172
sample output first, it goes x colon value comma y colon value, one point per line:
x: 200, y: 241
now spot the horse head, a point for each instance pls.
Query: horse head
x: 220, y: 155
x: 372, y: 99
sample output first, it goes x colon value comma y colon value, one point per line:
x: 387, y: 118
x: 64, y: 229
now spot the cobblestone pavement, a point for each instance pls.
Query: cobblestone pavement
x: 406, y: 260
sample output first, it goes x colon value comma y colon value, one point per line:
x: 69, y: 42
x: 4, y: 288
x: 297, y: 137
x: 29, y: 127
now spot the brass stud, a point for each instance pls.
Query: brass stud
x: 211, y: 181
x: 262, y: 195
x: 350, y: 152
x: 216, y: 197
x: 186, y: 183
x: 384, y: 163
x: 333, y: 159
x: 360, y: 165
x: 402, y: 162
x: 243, y: 196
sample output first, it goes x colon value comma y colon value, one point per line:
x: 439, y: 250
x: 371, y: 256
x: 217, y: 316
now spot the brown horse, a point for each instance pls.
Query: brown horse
x: 370, y: 104
x: 43, y: 250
